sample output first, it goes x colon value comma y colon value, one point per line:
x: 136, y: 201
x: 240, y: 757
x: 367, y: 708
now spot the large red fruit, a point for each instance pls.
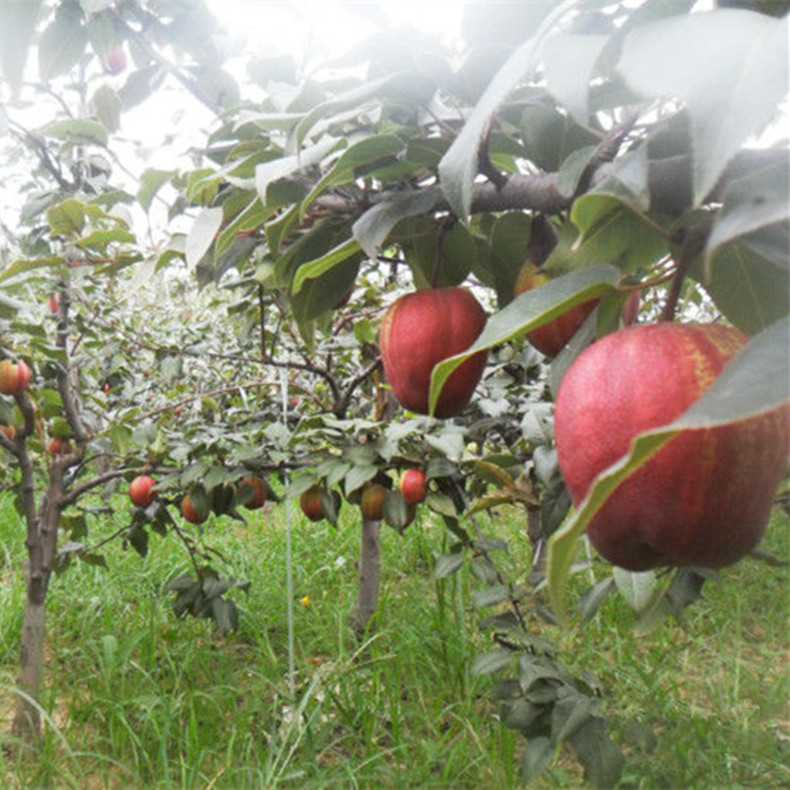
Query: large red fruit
x: 371, y: 503
x: 142, y: 490
x: 14, y: 377
x: 254, y: 492
x: 553, y: 336
x: 311, y: 504
x: 420, y: 330
x: 412, y: 486
x: 191, y: 513
x: 705, y: 498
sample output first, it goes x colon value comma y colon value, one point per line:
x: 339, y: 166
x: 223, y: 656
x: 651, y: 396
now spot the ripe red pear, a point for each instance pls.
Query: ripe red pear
x: 58, y: 446
x: 371, y: 503
x: 703, y: 499
x: 412, y: 486
x: 190, y: 512
x: 310, y: 503
x: 553, y: 336
x: 14, y: 377
x: 116, y: 59
x: 142, y: 490
x: 9, y: 431
x: 255, y: 492
x: 423, y: 328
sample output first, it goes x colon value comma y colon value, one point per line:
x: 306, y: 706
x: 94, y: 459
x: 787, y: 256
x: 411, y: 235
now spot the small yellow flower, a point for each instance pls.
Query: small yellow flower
x: 305, y: 601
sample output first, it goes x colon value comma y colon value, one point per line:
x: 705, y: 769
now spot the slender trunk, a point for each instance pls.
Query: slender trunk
x: 369, y: 564
x: 41, y: 542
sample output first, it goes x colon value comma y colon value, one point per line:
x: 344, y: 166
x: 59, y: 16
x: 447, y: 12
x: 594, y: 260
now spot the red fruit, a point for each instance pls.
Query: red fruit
x: 9, y: 431
x: 255, y: 491
x: 371, y: 502
x: 412, y: 486
x: 189, y: 512
x: 311, y: 505
x: 53, y: 305
x: 14, y: 377
x: 704, y: 499
x: 423, y: 328
x: 553, y: 336
x: 59, y: 446
x: 116, y: 59
x: 142, y: 490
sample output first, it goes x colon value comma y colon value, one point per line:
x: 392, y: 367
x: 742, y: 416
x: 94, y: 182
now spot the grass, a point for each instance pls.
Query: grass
x: 136, y: 698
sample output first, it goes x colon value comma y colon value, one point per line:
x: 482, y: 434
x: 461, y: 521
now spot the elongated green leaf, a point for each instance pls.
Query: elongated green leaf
x: 750, y: 203
x: 373, y: 227
x: 756, y: 381
x: 314, y: 269
x: 362, y: 153
x: 268, y: 172
x: 78, y: 129
x: 638, y: 589
x: 62, y: 43
x: 728, y: 66
x: 569, y: 61
x: 458, y: 168
x: 16, y: 35
x: 202, y: 233
x: 410, y: 87
x: 528, y: 311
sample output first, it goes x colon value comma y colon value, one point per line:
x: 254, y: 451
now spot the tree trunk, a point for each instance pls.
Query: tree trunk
x: 41, y: 542
x: 369, y: 564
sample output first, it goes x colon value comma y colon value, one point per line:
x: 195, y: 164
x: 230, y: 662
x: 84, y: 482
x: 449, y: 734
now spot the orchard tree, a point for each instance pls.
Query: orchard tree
x: 580, y: 167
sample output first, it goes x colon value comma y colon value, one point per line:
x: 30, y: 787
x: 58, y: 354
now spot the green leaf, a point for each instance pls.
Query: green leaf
x: 16, y: 36
x: 107, y: 106
x: 598, y: 753
x: 748, y: 288
x: 202, y: 234
x: 756, y: 381
x: 492, y: 661
x: 751, y: 203
x: 314, y: 269
x: 612, y: 232
x: 409, y: 87
x: 375, y: 225
x: 638, y: 589
x: 151, y: 182
x: 731, y: 90
x: 459, y: 166
x: 365, y: 152
x: 592, y: 599
x: 62, y: 42
x: 67, y: 218
x: 528, y: 311
x: 538, y: 753
x: 267, y: 173
x: 491, y: 596
x: 569, y: 61
x: 79, y: 130
x: 550, y: 136
x: 447, y: 564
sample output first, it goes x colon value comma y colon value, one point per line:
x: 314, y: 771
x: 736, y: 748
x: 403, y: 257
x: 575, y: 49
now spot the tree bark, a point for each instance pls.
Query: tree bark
x: 41, y: 543
x: 369, y: 575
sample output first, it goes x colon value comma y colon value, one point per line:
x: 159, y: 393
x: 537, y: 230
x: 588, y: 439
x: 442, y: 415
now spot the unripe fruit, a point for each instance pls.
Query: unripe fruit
x: 14, y: 377
x: 423, y: 328
x: 705, y: 497
x: 371, y: 502
x: 59, y: 446
x: 412, y: 486
x: 142, y: 491
x: 254, y: 490
x: 189, y: 512
x: 553, y: 336
x: 310, y: 503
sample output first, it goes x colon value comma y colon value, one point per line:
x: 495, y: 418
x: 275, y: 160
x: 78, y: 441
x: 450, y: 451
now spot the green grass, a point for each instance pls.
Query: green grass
x: 136, y: 698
